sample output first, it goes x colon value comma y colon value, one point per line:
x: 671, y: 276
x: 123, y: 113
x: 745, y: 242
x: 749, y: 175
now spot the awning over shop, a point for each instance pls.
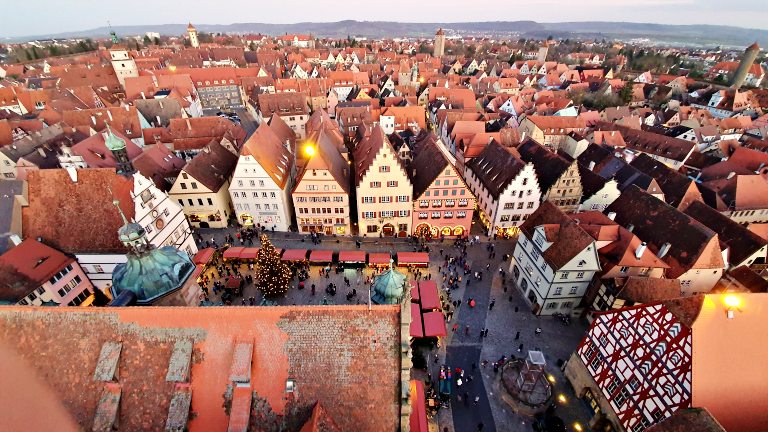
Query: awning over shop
x: 352, y: 256
x: 295, y: 255
x: 428, y: 294
x: 417, y: 330
x: 321, y: 256
x: 198, y: 271
x: 434, y: 324
x: 233, y: 252
x: 412, y: 258
x: 249, y: 253
x: 414, y: 291
x: 418, y: 420
x: 203, y: 256
x: 379, y: 258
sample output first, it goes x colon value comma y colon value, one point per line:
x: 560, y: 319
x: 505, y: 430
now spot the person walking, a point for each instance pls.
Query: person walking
x: 485, y: 334
x: 490, y: 306
x: 456, y: 327
x: 466, y: 331
x: 477, y: 400
x: 480, y: 426
x: 517, y: 336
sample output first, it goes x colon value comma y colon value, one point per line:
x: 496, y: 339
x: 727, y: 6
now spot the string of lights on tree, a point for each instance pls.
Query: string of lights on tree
x: 272, y: 274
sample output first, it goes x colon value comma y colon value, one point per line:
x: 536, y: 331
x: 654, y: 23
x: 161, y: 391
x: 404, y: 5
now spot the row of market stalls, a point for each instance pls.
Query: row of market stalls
x: 326, y: 256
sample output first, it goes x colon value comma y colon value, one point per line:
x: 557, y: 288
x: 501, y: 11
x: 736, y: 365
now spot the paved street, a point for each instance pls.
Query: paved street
x: 459, y: 350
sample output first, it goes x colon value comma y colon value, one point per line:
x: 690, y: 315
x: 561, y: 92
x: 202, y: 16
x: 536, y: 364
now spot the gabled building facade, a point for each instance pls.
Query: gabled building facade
x: 384, y: 189
x: 554, y: 261
x: 506, y: 188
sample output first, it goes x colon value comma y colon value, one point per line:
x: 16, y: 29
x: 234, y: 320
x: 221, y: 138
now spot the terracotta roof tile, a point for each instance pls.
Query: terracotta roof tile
x: 77, y: 217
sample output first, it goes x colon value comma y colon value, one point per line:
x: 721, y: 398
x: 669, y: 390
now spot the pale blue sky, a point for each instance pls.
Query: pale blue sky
x: 55, y: 16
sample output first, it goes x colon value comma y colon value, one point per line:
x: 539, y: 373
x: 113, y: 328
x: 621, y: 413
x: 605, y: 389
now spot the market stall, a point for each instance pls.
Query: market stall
x: 429, y: 298
x: 203, y: 256
x: 412, y: 259
x: 352, y: 258
x: 249, y: 253
x: 294, y: 255
x: 233, y: 252
x: 417, y: 328
x: 379, y: 259
x: 321, y: 256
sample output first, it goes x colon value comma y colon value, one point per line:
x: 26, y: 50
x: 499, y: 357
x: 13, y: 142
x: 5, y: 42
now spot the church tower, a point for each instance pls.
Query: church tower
x: 116, y: 145
x: 193, y: 36
x: 747, y: 60
x: 439, y: 43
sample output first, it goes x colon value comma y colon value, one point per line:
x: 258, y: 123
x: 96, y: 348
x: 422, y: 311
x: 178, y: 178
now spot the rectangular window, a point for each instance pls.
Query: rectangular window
x: 210, y: 202
x: 552, y: 305
x: 520, y: 206
x: 580, y: 275
x: 386, y: 199
x: 558, y: 291
x: 403, y: 213
x: 402, y: 198
x: 573, y: 290
x: 369, y: 200
x: 461, y: 214
x: 424, y: 203
x: 194, y: 185
x: 564, y: 275
x: 384, y: 169
x: 530, y: 205
x: 376, y: 184
x: 435, y: 215
x: 392, y: 183
x: 369, y: 215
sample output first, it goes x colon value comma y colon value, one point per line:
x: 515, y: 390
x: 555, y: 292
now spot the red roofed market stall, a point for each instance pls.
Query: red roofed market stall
x: 295, y: 255
x: 233, y: 252
x: 415, y: 259
x: 417, y: 328
x: 430, y: 300
x: 320, y: 256
x: 249, y: 253
x: 352, y: 258
x: 379, y: 259
x: 203, y: 256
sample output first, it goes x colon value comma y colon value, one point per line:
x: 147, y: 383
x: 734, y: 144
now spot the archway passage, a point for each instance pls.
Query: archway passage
x: 388, y: 229
x: 458, y: 231
x: 422, y: 230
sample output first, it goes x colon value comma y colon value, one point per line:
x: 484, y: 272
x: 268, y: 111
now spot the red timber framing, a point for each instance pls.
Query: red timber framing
x: 640, y: 358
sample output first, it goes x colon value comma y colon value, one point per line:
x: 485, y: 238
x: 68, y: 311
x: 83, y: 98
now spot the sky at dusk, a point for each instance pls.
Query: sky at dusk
x: 55, y: 16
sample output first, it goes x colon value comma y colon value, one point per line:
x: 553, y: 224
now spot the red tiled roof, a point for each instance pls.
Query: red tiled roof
x: 284, y: 346
x: 418, y: 419
x: 78, y: 217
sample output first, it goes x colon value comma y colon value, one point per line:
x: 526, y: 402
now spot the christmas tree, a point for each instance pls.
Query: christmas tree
x: 272, y: 274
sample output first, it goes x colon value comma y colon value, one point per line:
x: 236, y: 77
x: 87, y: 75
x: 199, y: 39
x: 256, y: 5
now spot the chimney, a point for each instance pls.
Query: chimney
x: 591, y: 165
x: 730, y: 175
x: 664, y: 250
x: 143, y: 96
x: 640, y: 250
x: 612, y: 216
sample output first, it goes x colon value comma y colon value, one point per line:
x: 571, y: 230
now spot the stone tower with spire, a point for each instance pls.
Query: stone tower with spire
x: 439, y: 43
x: 192, y: 31
x: 747, y: 60
x: 117, y: 146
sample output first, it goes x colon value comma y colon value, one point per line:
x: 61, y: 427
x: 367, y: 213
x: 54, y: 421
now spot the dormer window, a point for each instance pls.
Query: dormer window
x: 290, y: 386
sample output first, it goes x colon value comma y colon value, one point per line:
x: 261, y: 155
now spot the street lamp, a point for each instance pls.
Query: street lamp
x: 309, y: 150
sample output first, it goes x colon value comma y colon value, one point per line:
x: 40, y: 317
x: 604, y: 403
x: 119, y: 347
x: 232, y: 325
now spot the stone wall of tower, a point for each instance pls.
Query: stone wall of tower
x: 747, y: 60
x: 193, y: 39
x: 439, y: 45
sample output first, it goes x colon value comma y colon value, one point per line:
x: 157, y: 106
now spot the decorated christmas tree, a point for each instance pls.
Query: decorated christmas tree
x: 272, y: 274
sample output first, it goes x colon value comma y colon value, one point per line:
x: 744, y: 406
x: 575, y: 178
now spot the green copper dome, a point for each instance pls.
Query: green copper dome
x: 113, y: 142
x: 152, y: 273
x: 388, y: 287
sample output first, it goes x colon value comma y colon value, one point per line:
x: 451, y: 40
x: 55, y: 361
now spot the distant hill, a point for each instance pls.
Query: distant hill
x: 685, y: 34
